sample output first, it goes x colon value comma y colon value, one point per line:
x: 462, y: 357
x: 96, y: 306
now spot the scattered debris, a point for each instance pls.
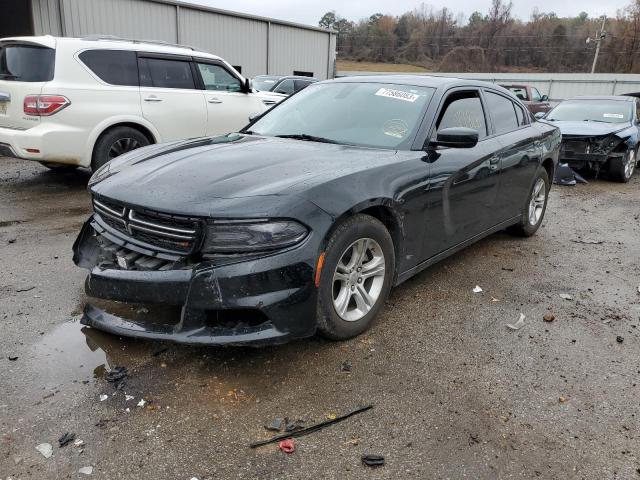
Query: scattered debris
x: 66, y: 439
x: 588, y: 242
x: 78, y: 443
x: 549, y: 317
x: 507, y: 269
x: 12, y: 240
x: 477, y: 289
x: 287, y: 446
x: 519, y: 324
x: 346, y: 366
x: 128, y: 398
x: 562, y: 399
x: 373, y: 460
x: 275, y: 425
x: 12, y: 359
x: 294, y: 426
x: 311, y: 429
x: 331, y: 416
x: 45, y: 449
x: 619, y: 339
x: 86, y: 470
x: 565, y: 175
x: 494, y: 299
x: 142, y: 403
x: 116, y: 374
x: 104, y: 397
x: 566, y: 296
x: 474, y: 438
x: 26, y: 289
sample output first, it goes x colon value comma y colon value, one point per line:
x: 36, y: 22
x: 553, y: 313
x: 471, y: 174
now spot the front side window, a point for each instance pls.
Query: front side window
x: 116, y: 67
x: 535, y: 94
x: 215, y: 77
x: 519, y: 92
x: 26, y: 63
x: 286, y: 87
x: 463, y: 109
x: 163, y: 73
x: 502, y: 112
x: 604, y: 111
x: 354, y: 113
x: 264, y: 83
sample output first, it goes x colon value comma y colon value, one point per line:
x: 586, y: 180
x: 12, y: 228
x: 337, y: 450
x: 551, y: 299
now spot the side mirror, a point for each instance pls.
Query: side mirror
x: 540, y: 115
x: 544, y: 98
x: 246, y: 86
x: 254, y: 116
x: 456, y: 137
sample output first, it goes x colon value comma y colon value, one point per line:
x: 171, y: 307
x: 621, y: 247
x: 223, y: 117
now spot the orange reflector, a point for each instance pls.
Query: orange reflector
x: 32, y: 150
x: 319, y: 266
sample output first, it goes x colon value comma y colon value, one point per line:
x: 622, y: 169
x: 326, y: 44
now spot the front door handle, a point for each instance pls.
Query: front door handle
x: 152, y: 98
x: 494, y: 162
x: 215, y: 100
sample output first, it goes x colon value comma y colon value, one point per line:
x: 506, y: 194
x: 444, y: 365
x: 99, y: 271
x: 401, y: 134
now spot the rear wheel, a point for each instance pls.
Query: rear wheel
x: 621, y: 169
x: 536, y: 206
x: 114, y: 143
x: 356, y: 277
x: 59, y: 167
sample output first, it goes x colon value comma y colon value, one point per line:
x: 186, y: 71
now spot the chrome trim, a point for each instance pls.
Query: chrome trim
x: 110, y: 215
x: 133, y: 226
x: 157, y: 225
x: 110, y: 210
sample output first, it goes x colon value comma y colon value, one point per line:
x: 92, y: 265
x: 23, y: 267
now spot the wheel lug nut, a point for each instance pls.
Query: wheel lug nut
x: 359, y: 280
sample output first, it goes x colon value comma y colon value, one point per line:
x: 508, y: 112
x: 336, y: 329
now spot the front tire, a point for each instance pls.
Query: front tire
x: 114, y: 143
x: 621, y: 169
x: 535, y: 207
x: 356, y: 277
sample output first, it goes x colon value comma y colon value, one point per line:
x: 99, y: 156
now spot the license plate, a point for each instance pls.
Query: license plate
x: 3, y: 108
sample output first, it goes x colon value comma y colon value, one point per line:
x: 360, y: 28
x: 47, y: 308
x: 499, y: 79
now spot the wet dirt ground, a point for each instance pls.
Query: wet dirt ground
x: 456, y: 393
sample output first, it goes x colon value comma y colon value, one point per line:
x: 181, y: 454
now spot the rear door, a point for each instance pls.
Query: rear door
x: 170, y: 98
x: 228, y: 107
x: 24, y: 70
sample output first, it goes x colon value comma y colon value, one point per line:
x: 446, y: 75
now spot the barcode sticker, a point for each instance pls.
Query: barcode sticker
x: 397, y: 94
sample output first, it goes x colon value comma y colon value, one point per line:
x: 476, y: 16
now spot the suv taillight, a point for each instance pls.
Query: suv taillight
x: 44, y: 105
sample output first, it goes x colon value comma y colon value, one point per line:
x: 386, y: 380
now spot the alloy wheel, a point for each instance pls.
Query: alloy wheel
x: 538, y: 199
x: 122, y: 145
x: 358, y: 279
x: 630, y: 165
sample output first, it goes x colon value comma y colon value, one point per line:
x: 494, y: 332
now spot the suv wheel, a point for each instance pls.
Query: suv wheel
x: 535, y: 207
x: 114, y: 143
x: 621, y: 169
x: 356, y: 277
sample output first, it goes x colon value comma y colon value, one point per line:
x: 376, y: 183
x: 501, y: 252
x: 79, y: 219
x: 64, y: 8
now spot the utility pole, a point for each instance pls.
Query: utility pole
x: 599, y: 37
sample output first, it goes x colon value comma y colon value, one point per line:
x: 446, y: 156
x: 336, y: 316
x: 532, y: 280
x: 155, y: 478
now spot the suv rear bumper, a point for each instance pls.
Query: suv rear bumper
x: 45, y: 142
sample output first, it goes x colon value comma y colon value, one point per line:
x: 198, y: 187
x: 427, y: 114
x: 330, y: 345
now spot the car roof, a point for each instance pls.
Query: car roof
x: 513, y: 85
x: 604, y: 97
x: 433, y: 81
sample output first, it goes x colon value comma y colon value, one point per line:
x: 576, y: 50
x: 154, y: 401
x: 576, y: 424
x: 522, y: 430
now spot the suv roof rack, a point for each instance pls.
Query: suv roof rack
x: 115, y: 38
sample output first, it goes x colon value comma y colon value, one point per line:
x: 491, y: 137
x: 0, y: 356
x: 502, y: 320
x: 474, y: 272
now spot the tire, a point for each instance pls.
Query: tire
x: 345, y: 242
x: 621, y: 169
x: 59, y: 167
x: 114, y: 142
x: 535, y: 206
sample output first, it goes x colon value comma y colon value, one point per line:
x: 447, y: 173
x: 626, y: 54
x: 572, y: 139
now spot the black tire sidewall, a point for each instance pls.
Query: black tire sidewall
x: 330, y: 324
x: 527, y: 228
x: 108, y: 138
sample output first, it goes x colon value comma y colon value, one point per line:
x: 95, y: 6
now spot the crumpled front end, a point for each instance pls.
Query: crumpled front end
x: 592, y: 151
x: 264, y: 298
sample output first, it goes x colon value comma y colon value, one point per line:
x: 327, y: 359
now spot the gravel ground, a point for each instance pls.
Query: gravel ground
x: 456, y: 393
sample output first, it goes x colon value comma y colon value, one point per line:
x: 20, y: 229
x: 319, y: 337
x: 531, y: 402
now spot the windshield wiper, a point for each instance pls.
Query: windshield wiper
x: 599, y: 121
x: 308, y: 138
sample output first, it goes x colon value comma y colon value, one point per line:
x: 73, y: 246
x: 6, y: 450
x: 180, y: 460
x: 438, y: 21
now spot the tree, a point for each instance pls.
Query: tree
x: 328, y: 20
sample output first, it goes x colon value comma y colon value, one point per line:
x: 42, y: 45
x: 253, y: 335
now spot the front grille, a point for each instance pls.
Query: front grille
x: 167, y: 232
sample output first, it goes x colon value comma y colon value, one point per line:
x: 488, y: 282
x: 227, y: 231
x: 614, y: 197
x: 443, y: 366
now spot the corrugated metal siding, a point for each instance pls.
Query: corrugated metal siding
x: 46, y: 17
x: 125, y: 18
x: 239, y: 41
x: 295, y: 49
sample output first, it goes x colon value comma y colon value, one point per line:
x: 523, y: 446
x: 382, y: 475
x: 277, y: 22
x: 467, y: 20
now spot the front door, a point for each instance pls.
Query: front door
x: 464, y: 181
x: 170, y: 99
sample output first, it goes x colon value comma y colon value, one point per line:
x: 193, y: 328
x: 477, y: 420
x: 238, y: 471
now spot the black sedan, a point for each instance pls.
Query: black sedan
x: 599, y: 133
x: 303, y: 221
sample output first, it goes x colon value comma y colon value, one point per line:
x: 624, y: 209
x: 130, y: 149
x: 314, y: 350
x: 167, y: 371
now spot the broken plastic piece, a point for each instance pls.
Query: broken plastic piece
x: 373, y: 460
x: 275, y: 425
x: 103, y: 397
x: 128, y: 397
x: 116, y: 374
x: 519, y: 324
x: 565, y: 175
x: 12, y: 359
x: 86, y: 470
x: 142, y: 403
x: 287, y: 446
x: 619, y: 339
x: 566, y: 296
x: 346, y: 366
x: 549, y: 317
x: 477, y: 289
x: 66, y: 439
x: 45, y: 449
x: 294, y: 426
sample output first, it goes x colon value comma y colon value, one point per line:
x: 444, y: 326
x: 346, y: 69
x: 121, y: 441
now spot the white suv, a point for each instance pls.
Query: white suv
x: 67, y: 102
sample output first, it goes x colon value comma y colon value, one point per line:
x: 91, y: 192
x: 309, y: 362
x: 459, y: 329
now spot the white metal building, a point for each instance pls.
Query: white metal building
x: 254, y: 45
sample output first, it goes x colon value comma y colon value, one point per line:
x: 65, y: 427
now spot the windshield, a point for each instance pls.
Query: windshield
x: 607, y: 111
x: 26, y: 63
x: 264, y: 84
x: 365, y: 114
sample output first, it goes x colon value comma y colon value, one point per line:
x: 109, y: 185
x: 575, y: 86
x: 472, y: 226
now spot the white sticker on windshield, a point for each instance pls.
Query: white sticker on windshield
x: 612, y: 115
x: 397, y: 94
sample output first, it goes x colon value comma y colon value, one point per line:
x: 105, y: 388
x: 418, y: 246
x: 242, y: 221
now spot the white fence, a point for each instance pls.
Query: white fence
x: 557, y: 86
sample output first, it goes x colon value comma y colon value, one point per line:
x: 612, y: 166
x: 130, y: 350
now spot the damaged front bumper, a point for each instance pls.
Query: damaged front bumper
x: 230, y: 300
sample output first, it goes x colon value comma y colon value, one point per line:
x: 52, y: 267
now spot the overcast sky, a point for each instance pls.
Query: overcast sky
x: 310, y: 11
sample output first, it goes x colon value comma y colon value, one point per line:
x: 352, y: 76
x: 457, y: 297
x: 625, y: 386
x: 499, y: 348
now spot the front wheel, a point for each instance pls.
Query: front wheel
x: 536, y: 206
x: 356, y: 277
x: 621, y: 169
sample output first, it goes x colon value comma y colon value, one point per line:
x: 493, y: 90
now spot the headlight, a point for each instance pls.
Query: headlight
x: 608, y: 144
x: 252, y: 235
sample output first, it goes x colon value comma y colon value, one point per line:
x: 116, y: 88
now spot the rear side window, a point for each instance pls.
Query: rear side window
x: 286, y: 87
x: 463, y: 109
x: 26, y: 63
x: 162, y: 73
x: 116, y: 67
x: 503, y: 113
x: 300, y: 84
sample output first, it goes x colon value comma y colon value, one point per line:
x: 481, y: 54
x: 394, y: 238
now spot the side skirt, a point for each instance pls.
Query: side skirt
x: 450, y: 251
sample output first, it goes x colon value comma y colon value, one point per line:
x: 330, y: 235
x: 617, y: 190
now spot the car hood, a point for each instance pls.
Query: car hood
x: 195, y: 176
x: 589, y: 129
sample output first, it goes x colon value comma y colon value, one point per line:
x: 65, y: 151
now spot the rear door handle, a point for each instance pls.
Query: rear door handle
x: 152, y: 98
x: 215, y: 100
x: 494, y: 162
